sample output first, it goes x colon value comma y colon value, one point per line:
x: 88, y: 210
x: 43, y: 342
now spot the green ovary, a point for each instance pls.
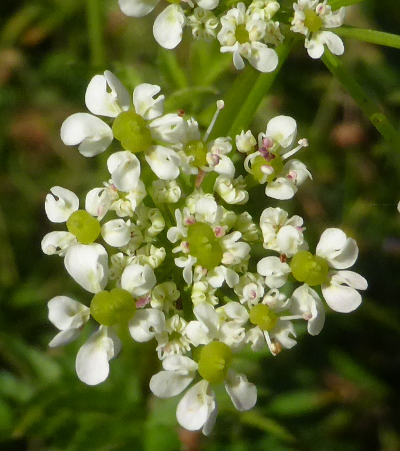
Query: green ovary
x: 259, y: 161
x: 312, y: 21
x: 215, y: 359
x: 112, y: 307
x: 204, y: 245
x: 308, y: 268
x: 85, y: 227
x: 132, y: 131
x: 263, y: 317
x: 241, y: 34
x: 198, y: 150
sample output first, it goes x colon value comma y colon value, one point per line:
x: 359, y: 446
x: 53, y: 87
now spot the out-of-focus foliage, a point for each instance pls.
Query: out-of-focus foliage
x: 337, y: 391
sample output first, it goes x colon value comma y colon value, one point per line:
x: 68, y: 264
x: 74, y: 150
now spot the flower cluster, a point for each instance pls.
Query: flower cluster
x: 248, y: 31
x: 166, y: 248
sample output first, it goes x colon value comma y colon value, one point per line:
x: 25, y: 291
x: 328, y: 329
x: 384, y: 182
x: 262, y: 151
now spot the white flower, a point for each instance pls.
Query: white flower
x: 341, y: 252
x: 57, y: 243
x: 187, y: 264
x: 231, y: 190
x: 138, y: 279
x: 241, y: 34
x: 204, y: 24
x: 60, y: 203
x: 235, y: 251
x: 250, y: 288
x: 91, y: 363
x: 275, y: 271
x: 87, y: 264
x: 166, y: 191
x: 306, y: 303
x: 198, y: 409
x: 105, y: 96
x: 124, y: 168
x: 99, y: 201
x: 164, y: 162
x: 69, y: 316
x: 116, y: 232
x: 174, y: 339
x: 312, y: 18
x: 217, y: 157
x: 280, y: 233
x: 168, y: 26
x: 146, y: 324
x: 245, y: 142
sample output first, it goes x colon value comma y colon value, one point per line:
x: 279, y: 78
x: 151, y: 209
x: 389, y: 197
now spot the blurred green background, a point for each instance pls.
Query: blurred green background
x: 337, y: 391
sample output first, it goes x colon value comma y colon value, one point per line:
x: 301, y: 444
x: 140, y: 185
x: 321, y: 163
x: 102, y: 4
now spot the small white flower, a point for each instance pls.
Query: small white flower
x: 231, y: 190
x: 124, y: 168
x: 116, y: 232
x: 242, y: 34
x: 57, y: 243
x: 245, y: 142
x: 166, y: 191
x: 69, y: 316
x: 204, y: 24
x: 138, y: 279
x: 312, y: 18
x: 168, y: 26
x: 99, y: 201
x: 275, y: 271
x: 60, y: 203
x: 164, y: 162
x: 91, y: 363
x: 87, y: 264
x: 146, y: 324
x: 306, y: 303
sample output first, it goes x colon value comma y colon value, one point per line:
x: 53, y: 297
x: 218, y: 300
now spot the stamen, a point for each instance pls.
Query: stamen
x: 290, y: 317
x: 220, y: 106
x: 301, y: 143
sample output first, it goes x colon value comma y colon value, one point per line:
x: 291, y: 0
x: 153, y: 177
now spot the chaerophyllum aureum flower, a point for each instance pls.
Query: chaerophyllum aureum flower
x: 174, y: 248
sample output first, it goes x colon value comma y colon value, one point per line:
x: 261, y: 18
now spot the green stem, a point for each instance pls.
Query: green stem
x: 245, y: 96
x: 369, y: 107
x: 95, y: 32
x: 336, y: 4
x: 375, y: 37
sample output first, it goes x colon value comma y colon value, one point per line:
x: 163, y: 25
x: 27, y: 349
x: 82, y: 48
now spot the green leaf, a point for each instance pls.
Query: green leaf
x: 336, y: 4
x: 255, y: 419
x: 299, y: 402
x: 372, y: 36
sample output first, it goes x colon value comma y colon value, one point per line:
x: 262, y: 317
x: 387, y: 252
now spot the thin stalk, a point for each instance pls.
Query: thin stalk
x: 95, y: 32
x: 245, y: 96
x: 369, y: 107
x: 372, y: 36
x: 336, y: 4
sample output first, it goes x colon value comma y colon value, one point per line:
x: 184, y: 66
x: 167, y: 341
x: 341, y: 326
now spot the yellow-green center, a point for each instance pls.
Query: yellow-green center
x: 112, y: 307
x: 204, y: 245
x: 85, y: 227
x: 312, y: 20
x: 198, y: 150
x: 241, y: 34
x: 215, y: 359
x: 263, y: 317
x: 308, y: 268
x: 132, y: 131
x: 275, y: 163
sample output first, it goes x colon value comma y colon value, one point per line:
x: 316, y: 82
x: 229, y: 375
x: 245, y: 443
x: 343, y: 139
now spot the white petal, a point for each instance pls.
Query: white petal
x: 100, y: 101
x: 64, y: 337
x: 282, y: 129
x: 60, y: 204
x: 284, y: 333
x: 168, y: 26
x: 225, y: 167
x: 262, y: 57
x: 124, y: 168
x: 66, y: 313
x: 208, y: 4
x: 181, y: 363
x: 333, y: 42
x: 305, y: 301
x: 205, y: 313
x: 57, y: 243
x: 196, y: 406
x: 93, y: 357
x: 146, y: 324
x: 281, y: 189
x: 242, y: 393
x: 116, y: 232
x: 164, y: 162
x: 145, y: 102
x: 166, y: 384
x: 138, y: 279
x: 237, y: 60
x: 197, y: 333
x: 341, y: 293
x: 88, y: 266
x: 99, y: 200
x: 170, y: 128
x: 340, y: 252
x: 274, y: 270
x: 315, y: 48
x: 91, y: 133
x: 236, y: 311
x: 137, y: 8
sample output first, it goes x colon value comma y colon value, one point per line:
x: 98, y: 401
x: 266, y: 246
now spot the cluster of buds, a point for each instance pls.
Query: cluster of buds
x: 248, y: 31
x: 166, y: 248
